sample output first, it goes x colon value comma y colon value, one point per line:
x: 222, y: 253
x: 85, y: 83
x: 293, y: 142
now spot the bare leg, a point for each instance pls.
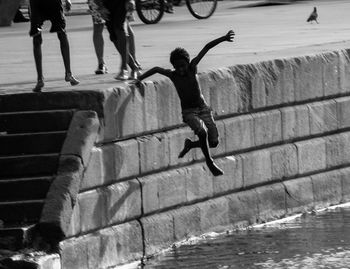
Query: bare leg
x: 98, y: 42
x: 64, y: 44
x: 37, y: 41
x: 132, y: 47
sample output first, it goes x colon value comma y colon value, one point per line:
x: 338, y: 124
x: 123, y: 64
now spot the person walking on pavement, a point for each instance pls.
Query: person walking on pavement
x: 40, y: 11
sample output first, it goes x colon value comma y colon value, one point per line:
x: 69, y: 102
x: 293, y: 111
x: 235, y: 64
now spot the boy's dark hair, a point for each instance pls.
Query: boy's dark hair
x: 179, y: 53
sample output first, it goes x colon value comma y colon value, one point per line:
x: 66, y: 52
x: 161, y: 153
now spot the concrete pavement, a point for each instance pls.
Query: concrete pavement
x: 261, y: 33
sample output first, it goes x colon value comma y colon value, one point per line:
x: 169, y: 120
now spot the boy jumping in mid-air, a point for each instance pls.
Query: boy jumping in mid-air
x: 195, y: 112
x: 41, y: 10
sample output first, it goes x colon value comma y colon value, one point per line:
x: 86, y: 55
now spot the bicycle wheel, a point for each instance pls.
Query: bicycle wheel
x: 150, y: 11
x: 201, y: 9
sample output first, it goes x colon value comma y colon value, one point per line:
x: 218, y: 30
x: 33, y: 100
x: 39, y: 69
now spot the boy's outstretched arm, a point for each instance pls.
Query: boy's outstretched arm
x: 228, y: 37
x: 153, y: 71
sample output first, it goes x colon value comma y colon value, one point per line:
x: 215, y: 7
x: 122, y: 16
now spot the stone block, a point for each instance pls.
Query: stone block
x: 74, y: 224
x: 74, y: 253
x: 308, y: 77
x: 199, y: 183
x: 243, y: 208
x: 284, y: 161
x: 241, y: 74
x: 93, y: 175
x: 106, y: 253
x: 344, y: 70
x: 123, y: 112
x: 258, y: 89
x: 323, y: 117
x: 256, y: 167
x: 239, y: 133
x: 285, y: 80
x: 331, y: 81
x: 223, y: 90
x: 345, y: 181
x: 81, y: 136
x: 126, y: 159
x: 232, y: 179
x: 214, y: 215
x: 343, y: 111
x: 299, y: 195
x: 338, y: 149
x: 158, y: 232
x: 267, y: 127
x: 327, y: 189
x: 272, y: 200
x: 295, y: 122
x: 123, y: 201
x: 311, y: 155
x: 176, y: 144
x: 168, y: 104
x: 150, y: 109
x: 150, y: 199
x: 186, y: 222
x: 92, y: 207
x: 108, y: 160
x: 154, y: 152
x: 129, y: 242
x: 273, y: 81
x: 172, y: 188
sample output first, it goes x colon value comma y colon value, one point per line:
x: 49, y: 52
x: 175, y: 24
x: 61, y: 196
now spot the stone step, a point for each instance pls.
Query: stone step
x: 35, y: 121
x: 31, y: 143
x: 20, y: 212
x: 28, y: 165
x: 24, y: 188
x: 14, y: 238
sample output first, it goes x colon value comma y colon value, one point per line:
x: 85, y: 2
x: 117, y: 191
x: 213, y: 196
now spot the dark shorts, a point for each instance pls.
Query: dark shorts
x: 117, y: 18
x: 42, y: 10
x: 200, y: 118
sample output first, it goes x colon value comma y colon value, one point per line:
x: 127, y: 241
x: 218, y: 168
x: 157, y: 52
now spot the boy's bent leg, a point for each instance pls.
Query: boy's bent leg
x: 37, y: 41
x: 203, y: 141
x: 188, y: 145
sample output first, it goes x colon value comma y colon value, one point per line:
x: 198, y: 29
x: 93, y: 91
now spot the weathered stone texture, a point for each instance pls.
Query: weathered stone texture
x: 284, y: 162
x: 338, y: 149
x: 93, y: 175
x: 343, y: 109
x: 126, y: 159
x: 311, y: 155
x: 186, y: 222
x: 331, y: 81
x: 239, y: 133
x: 214, y: 215
x: 295, y: 122
x: 323, y: 117
x: 327, y: 188
x: 299, y: 195
x: 267, y: 127
x: 272, y: 200
x: 256, y: 167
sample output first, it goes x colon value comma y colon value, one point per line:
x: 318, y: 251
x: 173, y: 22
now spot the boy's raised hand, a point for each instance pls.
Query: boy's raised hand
x: 229, y: 36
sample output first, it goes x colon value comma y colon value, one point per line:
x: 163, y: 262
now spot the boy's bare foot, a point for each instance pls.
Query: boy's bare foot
x: 70, y: 78
x: 214, y: 169
x: 39, y: 85
x: 123, y: 75
x: 187, y: 148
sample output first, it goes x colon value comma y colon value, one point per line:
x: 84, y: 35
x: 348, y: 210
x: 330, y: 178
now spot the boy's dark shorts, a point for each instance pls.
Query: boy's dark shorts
x: 200, y: 118
x: 42, y: 10
x: 117, y: 18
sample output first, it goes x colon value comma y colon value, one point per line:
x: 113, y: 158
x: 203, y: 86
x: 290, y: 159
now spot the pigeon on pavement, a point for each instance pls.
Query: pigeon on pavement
x: 313, y: 16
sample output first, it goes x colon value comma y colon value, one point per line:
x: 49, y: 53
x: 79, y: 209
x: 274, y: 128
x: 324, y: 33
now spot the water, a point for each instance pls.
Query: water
x: 318, y: 240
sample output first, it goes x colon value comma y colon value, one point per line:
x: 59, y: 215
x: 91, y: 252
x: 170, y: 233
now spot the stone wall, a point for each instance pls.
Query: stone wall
x: 284, y: 147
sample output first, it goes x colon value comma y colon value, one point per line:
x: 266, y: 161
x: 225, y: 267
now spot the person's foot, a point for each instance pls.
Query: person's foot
x: 214, y: 169
x: 135, y: 74
x: 169, y: 8
x: 39, y: 85
x: 101, y: 69
x: 123, y: 75
x: 70, y: 78
x: 187, y: 148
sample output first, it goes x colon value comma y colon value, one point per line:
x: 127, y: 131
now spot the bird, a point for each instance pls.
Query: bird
x: 313, y: 16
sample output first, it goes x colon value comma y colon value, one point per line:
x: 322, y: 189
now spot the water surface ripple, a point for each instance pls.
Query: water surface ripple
x: 318, y: 240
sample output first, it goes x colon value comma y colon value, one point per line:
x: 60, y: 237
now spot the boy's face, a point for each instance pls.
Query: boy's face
x: 181, y: 66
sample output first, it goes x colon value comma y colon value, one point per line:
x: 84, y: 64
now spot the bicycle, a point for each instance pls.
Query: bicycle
x: 152, y: 11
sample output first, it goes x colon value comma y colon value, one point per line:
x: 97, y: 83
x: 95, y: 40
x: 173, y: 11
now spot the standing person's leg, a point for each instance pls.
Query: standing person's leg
x: 37, y: 41
x: 36, y: 22
x: 133, y: 63
x: 64, y: 45
x: 97, y: 37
